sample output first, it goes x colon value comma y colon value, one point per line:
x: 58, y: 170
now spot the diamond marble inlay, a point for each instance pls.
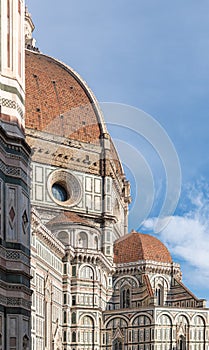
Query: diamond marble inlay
x: 12, y: 214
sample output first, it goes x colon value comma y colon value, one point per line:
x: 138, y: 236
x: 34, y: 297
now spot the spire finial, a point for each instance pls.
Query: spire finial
x: 30, y: 42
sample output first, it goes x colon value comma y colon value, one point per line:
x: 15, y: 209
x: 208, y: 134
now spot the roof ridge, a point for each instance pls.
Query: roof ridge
x: 148, y: 284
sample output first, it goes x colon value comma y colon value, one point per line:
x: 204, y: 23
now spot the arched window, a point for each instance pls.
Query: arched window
x: 73, y: 337
x: 87, y: 321
x: 182, y: 332
x: 141, y: 330
x: 182, y: 342
x: 117, y: 344
x: 159, y: 294
x: 83, y: 240
x: 87, y: 272
x: 25, y: 342
x: 116, y: 329
x: 63, y: 237
x: 125, y: 300
x: 96, y: 243
x: 73, y: 317
x: 165, y: 330
x: 199, y: 331
x: 87, y: 332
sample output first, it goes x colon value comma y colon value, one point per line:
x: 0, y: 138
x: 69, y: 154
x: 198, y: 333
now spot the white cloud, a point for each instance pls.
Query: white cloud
x: 187, y: 236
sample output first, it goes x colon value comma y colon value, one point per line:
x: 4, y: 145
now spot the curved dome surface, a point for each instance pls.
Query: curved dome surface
x: 137, y: 246
x: 59, y: 102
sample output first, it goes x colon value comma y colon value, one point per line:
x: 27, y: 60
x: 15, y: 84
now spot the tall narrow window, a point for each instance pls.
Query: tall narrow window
x: 73, y: 300
x: 159, y: 293
x: 128, y: 298
x: 182, y: 343
x: 64, y: 336
x: 25, y: 342
x: 87, y: 332
x: 125, y: 301
x: 74, y: 337
x: 117, y: 344
x: 65, y: 298
x: 65, y: 317
x: 73, y: 318
x: 124, y: 298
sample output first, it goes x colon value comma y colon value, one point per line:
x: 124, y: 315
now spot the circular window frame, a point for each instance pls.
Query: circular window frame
x: 69, y: 182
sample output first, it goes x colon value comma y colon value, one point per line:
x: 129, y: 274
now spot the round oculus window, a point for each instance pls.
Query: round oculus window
x: 64, y: 188
x: 59, y: 192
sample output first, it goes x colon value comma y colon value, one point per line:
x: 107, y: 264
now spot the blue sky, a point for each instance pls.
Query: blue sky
x: 154, y: 56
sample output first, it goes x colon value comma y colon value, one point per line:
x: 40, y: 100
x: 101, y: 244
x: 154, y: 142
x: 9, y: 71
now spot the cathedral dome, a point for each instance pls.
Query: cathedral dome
x: 59, y: 102
x: 137, y: 246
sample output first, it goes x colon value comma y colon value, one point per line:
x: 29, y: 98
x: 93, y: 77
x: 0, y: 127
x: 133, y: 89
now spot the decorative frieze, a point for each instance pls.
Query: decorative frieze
x: 14, y: 301
x: 5, y: 102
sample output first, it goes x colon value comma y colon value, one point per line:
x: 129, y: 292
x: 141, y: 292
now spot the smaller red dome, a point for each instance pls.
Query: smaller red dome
x: 137, y: 246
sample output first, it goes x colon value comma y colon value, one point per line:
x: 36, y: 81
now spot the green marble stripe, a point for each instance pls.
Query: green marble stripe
x: 13, y: 277
x: 17, y: 311
x: 12, y: 90
x: 15, y: 246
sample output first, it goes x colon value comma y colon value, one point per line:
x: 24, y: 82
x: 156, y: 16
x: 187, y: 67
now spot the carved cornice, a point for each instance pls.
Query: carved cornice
x: 97, y: 256
x: 15, y: 302
x: 150, y: 267
x: 39, y: 230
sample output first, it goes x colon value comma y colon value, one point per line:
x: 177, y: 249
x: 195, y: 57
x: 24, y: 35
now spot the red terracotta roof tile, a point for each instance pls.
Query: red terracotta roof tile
x: 57, y: 102
x: 137, y: 246
x: 68, y: 217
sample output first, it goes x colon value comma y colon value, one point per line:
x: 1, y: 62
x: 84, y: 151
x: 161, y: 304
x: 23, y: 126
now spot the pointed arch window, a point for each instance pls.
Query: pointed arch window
x: 25, y: 342
x: 117, y: 344
x: 159, y: 294
x: 182, y: 343
x: 125, y: 301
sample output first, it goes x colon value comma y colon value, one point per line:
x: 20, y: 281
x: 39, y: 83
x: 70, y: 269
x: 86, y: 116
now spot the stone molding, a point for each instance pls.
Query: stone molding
x: 39, y: 230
